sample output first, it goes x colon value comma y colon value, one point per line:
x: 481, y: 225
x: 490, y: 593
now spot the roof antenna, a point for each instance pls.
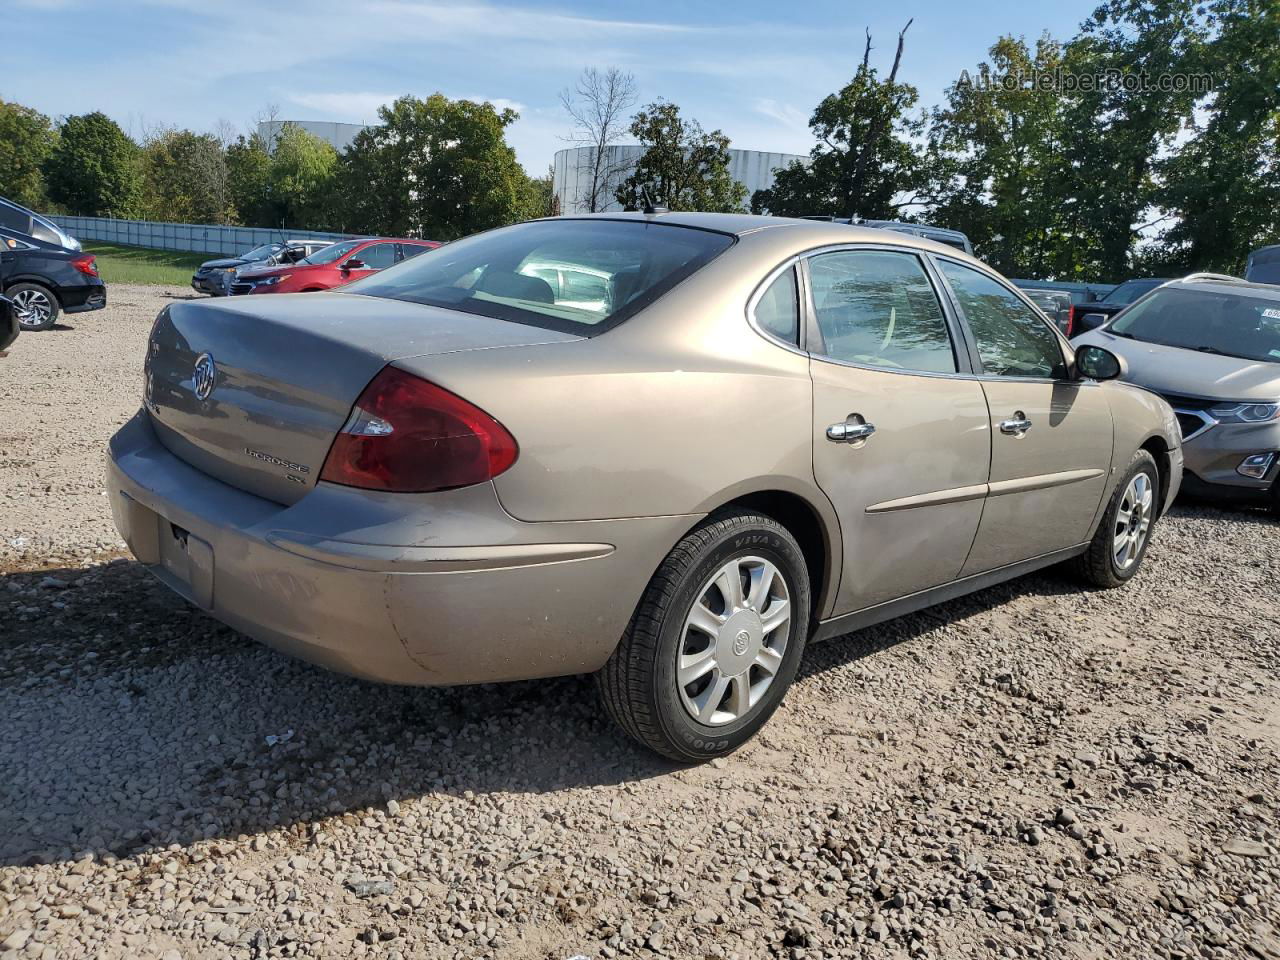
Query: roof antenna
x: 649, y: 207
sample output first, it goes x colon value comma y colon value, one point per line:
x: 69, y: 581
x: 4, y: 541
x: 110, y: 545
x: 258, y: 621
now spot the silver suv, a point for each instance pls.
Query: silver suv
x: 1210, y: 345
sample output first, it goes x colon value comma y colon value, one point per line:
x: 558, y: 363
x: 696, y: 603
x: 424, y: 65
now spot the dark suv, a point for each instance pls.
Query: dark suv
x: 44, y: 280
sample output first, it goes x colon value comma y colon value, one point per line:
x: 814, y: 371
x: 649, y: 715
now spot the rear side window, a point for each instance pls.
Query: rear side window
x: 410, y: 250
x: 577, y: 276
x: 778, y: 309
x: 1012, y: 339
x: 879, y: 308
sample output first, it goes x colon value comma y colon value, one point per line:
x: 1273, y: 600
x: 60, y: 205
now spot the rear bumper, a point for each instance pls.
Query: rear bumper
x: 481, y: 597
x: 82, y: 297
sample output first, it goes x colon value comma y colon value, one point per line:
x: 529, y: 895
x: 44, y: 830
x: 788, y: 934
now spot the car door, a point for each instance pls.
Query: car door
x: 368, y: 260
x: 901, y: 445
x: 1051, y: 436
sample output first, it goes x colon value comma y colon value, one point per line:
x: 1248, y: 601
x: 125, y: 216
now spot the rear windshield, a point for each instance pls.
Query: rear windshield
x: 1130, y: 291
x: 1224, y: 323
x: 575, y: 276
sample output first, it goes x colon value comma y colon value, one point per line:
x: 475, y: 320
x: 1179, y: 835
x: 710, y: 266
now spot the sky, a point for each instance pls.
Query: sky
x: 751, y: 68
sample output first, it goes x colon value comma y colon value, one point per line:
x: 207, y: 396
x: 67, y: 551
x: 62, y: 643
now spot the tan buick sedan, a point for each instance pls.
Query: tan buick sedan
x: 669, y: 449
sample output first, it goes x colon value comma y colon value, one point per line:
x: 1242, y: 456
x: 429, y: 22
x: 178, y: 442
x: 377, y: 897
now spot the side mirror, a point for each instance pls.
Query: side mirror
x: 1098, y: 363
x: 355, y: 263
x: 8, y: 324
x: 1092, y: 321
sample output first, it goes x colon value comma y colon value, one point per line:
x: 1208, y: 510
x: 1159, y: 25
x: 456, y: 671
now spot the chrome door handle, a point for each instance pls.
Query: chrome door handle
x: 849, y: 432
x: 1017, y: 425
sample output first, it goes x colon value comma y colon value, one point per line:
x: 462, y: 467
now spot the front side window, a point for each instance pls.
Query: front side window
x: 379, y: 256
x: 1012, y: 340
x: 1231, y: 324
x: 778, y: 309
x: 879, y: 308
x: 577, y: 276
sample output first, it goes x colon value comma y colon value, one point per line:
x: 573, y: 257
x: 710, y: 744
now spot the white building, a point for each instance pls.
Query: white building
x: 571, y: 177
x: 338, y: 135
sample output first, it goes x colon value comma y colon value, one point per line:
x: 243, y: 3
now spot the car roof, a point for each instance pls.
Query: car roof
x: 809, y: 233
x: 1269, y: 291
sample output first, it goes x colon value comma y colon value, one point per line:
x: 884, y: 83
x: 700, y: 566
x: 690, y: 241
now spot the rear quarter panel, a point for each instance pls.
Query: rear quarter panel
x: 677, y: 410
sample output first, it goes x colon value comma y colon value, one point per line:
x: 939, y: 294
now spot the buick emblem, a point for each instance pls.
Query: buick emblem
x: 205, y: 376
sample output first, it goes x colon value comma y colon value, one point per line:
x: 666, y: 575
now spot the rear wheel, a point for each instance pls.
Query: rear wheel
x: 715, y: 642
x: 37, y: 307
x: 1120, y: 543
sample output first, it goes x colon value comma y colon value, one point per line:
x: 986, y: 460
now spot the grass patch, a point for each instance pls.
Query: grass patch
x: 119, y: 264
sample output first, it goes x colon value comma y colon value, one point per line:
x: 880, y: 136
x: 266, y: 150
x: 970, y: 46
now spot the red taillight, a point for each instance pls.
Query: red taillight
x: 1071, y: 321
x: 409, y: 436
x: 85, y: 264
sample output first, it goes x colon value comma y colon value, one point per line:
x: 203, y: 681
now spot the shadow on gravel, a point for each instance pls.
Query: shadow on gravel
x: 133, y: 721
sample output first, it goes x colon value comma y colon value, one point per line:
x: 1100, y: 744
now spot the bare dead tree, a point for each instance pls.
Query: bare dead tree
x: 598, y: 105
x: 879, y: 126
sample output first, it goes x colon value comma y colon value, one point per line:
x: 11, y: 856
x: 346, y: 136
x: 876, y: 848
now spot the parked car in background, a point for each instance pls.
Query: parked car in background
x: 1090, y: 316
x: 1263, y: 265
x: 214, y: 277
x: 45, y: 280
x: 483, y: 465
x: 1056, y: 305
x: 19, y: 219
x: 952, y: 238
x: 335, y: 265
x: 1211, y: 347
x: 1079, y: 291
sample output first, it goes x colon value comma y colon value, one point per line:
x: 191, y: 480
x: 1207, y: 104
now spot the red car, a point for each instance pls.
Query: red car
x: 331, y: 267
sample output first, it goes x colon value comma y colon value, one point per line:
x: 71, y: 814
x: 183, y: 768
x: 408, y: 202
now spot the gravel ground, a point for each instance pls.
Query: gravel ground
x: 1033, y: 771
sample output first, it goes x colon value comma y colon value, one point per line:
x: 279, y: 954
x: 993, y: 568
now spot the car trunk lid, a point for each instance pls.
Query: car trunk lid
x: 252, y: 391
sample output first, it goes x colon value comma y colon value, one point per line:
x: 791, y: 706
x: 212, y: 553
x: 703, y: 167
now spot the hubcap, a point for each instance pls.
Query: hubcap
x: 32, y: 307
x: 733, y: 641
x: 1133, y: 521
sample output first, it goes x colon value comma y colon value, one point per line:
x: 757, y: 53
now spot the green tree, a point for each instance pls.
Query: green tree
x: 864, y: 163
x: 1221, y: 188
x: 95, y: 169
x: 1120, y: 130
x: 302, y: 180
x: 249, y: 181
x: 186, y: 178
x: 998, y: 149
x: 26, y: 141
x: 435, y: 168
x: 683, y: 167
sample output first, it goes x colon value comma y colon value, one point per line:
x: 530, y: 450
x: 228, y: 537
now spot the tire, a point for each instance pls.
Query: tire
x: 37, y: 303
x: 639, y: 685
x: 1100, y: 564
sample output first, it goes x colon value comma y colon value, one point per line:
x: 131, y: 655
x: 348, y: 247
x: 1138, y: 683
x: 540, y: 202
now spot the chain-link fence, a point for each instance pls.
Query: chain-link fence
x: 194, y: 237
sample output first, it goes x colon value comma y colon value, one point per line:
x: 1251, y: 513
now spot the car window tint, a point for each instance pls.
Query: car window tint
x: 408, y: 250
x: 377, y: 257
x: 563, y: 274
x: 879, y: 308
x: 1012, y: 340
x: 14, y: 219
x: 778, y: 309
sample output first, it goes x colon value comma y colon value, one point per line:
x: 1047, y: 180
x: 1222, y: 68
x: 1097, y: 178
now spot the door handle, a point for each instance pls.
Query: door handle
x: 1017, y: 425
x: 849, y: 431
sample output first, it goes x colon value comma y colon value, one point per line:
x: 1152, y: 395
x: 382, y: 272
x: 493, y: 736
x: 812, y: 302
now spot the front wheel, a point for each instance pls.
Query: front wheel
x: 1120, y: 543
x: 715, y: 642
x: 36, y: 307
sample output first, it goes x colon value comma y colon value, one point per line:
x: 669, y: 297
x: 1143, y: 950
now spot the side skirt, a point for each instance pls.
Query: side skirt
x: 870, y: 616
